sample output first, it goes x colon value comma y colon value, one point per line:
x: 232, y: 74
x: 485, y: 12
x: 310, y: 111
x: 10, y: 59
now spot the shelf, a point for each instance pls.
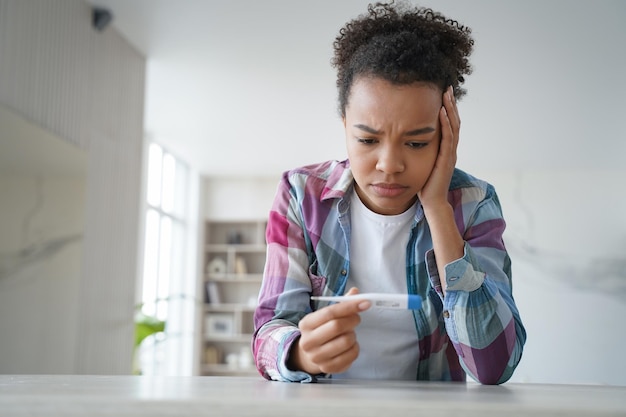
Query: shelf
x: 234, y: 278
x: 237, y: 338
x: 236, y: 247
x: 234, y: 260
x: 228, y: 308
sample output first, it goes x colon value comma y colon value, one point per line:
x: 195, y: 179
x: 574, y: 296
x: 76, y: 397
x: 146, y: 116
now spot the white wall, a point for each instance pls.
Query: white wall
x: 249, y: 84
x: 87, y: 87
x: 232, y: 198
x: 567, y: 239
x: 38, y: 292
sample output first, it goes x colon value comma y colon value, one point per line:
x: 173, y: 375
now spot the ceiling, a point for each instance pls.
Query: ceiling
x: 239, y: 88
x: 231, y: 82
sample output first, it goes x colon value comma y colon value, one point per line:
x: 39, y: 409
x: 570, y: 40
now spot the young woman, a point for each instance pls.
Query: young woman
x: 396, y: 217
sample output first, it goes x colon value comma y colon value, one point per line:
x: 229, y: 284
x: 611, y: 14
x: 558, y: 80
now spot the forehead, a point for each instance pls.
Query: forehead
x: 380, y: 98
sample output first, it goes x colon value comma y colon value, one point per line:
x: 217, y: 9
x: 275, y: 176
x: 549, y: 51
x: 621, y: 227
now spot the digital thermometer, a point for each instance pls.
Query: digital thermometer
x: 380, y: 300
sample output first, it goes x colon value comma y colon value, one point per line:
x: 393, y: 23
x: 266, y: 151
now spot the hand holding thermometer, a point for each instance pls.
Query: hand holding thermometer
x: 380, y: 300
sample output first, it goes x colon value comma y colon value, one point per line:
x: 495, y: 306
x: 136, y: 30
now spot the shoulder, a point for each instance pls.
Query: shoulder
x: 329, y: 179
x: 468, y: 188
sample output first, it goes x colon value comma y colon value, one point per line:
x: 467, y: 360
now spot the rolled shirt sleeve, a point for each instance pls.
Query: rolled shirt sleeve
x: 480, y: 316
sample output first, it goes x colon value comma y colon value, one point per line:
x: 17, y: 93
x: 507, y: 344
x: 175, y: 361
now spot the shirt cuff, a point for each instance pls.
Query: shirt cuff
x: 462, y: 274
x: 286, y: 373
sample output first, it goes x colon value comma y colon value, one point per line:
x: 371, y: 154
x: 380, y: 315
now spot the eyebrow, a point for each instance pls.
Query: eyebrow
x: 416, y: 132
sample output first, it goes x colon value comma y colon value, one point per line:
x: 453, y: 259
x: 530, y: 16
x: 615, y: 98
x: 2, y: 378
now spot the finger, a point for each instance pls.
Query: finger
x: 341, y: 363
x: 332, y: 349
x: 452, y: 110
x: 352, y: 291
x: 450, y: 121
x: 327, y: 331
x: 446, y: 159
x: 447, y: 133
x: 335, y: 311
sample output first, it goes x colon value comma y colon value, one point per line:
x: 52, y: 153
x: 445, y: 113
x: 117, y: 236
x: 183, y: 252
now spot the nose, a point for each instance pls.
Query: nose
x: 390, y: 160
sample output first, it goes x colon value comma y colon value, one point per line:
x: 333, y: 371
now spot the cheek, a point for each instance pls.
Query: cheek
x: 358, y: 154
x: 359, y: 164
x: 432, y: 159
x: 423, y: 166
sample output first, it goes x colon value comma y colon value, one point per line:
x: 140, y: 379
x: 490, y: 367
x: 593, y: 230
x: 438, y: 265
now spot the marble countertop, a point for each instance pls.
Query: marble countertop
x: 74, y: 395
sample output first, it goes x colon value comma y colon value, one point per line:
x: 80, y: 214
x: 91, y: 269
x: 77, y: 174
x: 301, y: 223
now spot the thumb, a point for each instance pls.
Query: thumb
x: 364, y: 304
x: 352, y: 291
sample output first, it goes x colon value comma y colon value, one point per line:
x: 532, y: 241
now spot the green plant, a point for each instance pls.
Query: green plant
x: 146, y: 326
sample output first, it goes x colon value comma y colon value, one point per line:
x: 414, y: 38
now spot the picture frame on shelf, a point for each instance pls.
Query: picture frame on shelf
x: 220, y: 324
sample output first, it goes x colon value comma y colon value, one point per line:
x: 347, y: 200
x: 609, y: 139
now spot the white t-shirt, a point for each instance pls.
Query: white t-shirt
x: 387, y: 338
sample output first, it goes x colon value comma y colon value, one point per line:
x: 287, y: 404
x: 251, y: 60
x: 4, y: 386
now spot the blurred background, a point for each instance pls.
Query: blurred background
x: 140, y: 138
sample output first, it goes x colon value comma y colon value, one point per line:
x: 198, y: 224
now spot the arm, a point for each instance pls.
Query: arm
x: 291, y: 343
x: 472, y: 271
x: 447, y: 241
x: 479, y: 311
x: 285, y: 290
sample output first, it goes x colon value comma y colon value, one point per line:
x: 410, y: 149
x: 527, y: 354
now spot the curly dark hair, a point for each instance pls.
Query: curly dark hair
x: 402, y: 44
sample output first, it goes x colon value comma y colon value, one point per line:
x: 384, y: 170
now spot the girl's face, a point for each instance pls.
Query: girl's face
x: 392, y: 139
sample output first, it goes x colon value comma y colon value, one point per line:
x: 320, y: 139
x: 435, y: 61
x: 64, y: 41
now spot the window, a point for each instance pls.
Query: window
x: 168, y: 284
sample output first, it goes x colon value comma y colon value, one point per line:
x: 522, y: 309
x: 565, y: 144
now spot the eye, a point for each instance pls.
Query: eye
x: 417, y: 145
x: 366, y: 141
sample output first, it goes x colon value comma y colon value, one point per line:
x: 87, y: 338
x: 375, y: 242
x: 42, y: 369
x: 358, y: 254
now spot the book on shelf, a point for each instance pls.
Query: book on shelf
x: 213, y: 293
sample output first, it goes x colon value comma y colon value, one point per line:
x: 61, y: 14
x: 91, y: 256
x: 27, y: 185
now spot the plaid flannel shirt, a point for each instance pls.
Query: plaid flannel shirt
x: 475, y: 329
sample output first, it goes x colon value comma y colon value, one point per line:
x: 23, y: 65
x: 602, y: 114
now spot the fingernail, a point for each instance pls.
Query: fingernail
x: 364, y: 305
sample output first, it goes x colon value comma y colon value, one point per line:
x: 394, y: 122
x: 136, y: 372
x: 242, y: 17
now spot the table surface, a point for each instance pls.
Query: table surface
x: 76, y: 395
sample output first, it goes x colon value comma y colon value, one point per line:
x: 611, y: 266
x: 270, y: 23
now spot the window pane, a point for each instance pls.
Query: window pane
x: 151, y: 265
x: 155, y: 157
x: 169, y: 181
x: 165, y: 265
x: 181, y: 200
x: 168, y: 290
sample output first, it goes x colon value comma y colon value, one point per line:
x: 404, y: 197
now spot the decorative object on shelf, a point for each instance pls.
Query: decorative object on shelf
x: 232, y: 360
x: 241, y: 360
x: 212, y: 355
x: 253, y: 301
x: 217, y: 266
x: 220, y: 324
x: 235, y: 237
x: 240, y: 266
x: 245, y: 358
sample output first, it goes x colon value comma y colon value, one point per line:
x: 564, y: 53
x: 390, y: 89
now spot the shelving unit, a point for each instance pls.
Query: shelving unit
x: 234, y: 257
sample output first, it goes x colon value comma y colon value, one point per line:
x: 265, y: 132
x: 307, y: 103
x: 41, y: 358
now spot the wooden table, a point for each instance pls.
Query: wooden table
x: 73, y: 395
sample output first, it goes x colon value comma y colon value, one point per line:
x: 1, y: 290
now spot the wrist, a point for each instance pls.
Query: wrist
x: 297, y: 360
x: 440, y: 209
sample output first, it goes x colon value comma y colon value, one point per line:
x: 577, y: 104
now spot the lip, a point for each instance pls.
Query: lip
x: 388, y: 190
